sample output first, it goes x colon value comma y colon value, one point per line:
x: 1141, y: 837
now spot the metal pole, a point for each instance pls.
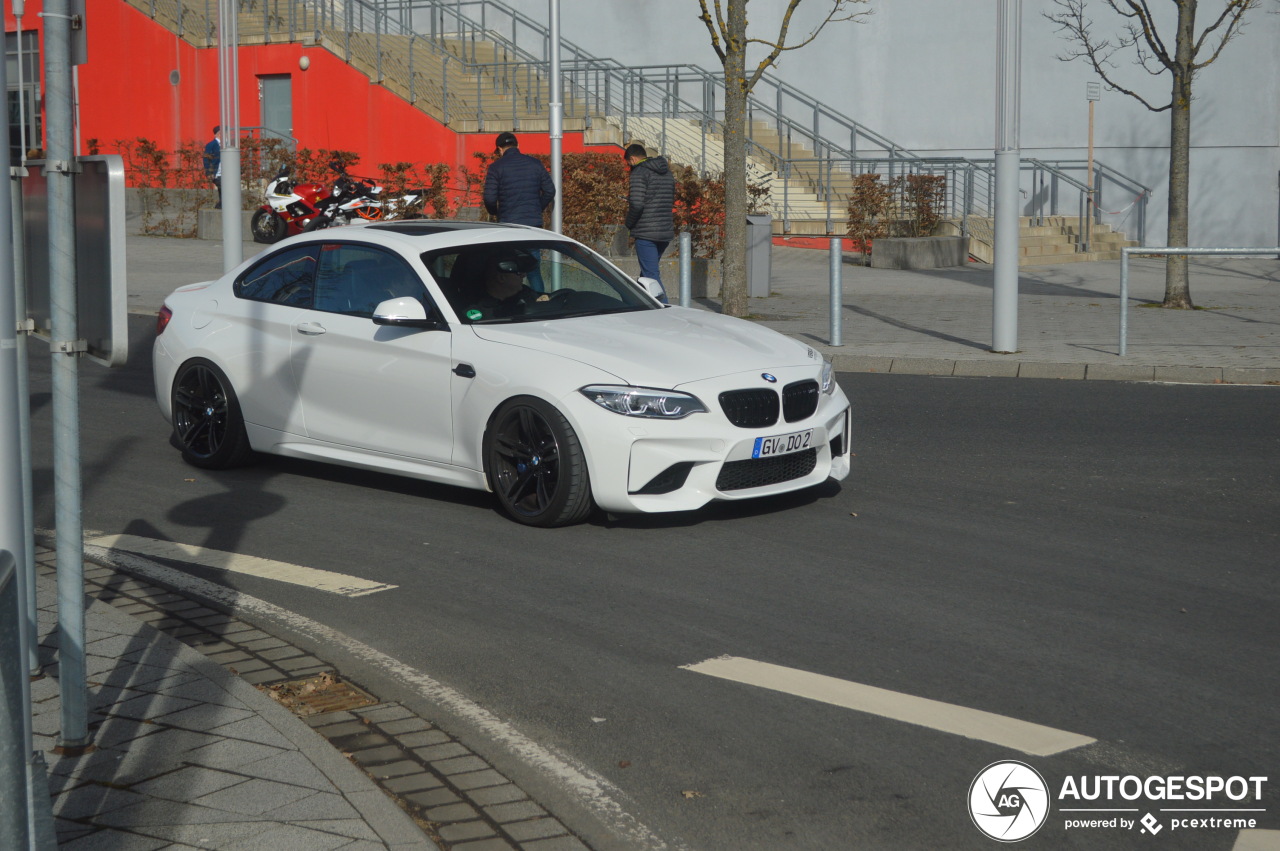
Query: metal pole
x: 1124, y: 301
x: 686, y: 268
x: 16, y: 827
x: 1089, y: 177
x: 1004, y: 335
x: 26, y: 556
x: 65, y: 348
x: 557, y: 119
x: 229, y: 100
x: 1093, y: 91
x: 18, y: 8
x: 15, y: 688
x: 837, y: 290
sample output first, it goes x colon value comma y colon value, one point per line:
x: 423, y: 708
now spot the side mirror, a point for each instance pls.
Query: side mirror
x: 404, y: 312
x: 654, y: 288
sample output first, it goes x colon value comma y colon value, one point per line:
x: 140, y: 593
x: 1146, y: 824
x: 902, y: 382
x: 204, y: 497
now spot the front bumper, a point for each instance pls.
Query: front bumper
x: 646, y: 465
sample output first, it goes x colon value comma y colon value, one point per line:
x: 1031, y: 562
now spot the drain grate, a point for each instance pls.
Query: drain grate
x: 318, y: 694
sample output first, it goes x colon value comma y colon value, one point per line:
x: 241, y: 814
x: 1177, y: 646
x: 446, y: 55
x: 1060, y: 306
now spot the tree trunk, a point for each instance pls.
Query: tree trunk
x: 733, y: 267
x: 1177, y: 285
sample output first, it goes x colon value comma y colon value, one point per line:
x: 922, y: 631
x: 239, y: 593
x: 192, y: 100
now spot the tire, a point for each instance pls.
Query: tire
x: 535, y: 464
x: 319, y: 221
x: 207, y: 424
x: 267, y: 226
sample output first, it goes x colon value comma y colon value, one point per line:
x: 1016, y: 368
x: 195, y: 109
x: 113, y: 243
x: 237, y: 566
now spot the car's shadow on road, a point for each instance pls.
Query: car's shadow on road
x: 719, y: 512
x: 270, y: 466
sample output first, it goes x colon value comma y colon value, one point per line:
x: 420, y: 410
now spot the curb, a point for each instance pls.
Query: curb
x: 412, y: 781
x: 1043, y: 369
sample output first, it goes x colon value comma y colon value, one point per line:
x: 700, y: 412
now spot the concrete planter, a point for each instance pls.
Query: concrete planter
x: 210, y: 226
x: 923, y: 252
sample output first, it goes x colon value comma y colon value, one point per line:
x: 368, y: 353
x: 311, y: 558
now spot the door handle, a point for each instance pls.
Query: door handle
x: 464, y: 370
x: 311, y: 329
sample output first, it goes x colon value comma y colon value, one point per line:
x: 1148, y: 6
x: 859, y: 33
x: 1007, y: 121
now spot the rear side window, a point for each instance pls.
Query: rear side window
x: 354, y: 279
x: 286, y: 277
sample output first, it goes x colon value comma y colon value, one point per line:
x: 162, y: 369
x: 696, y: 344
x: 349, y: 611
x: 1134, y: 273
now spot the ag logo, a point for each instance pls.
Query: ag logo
x: 1008, y: 801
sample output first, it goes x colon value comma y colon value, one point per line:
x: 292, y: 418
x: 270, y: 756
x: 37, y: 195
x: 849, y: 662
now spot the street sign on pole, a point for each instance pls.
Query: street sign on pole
x: 102, y: 300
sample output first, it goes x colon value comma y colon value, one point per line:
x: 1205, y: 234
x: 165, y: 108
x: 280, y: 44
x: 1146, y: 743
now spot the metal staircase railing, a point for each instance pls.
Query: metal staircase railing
x: 480, y: 65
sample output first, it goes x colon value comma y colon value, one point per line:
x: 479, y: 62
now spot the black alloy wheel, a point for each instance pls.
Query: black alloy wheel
x: 536, y: 465
x: 267, y: 226
x: 207, y: 424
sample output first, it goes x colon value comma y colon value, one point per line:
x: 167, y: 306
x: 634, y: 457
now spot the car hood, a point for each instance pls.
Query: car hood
x: 658, y: 348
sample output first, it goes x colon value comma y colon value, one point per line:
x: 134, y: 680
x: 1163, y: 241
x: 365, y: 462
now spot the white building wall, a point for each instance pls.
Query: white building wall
x: 923, y: 73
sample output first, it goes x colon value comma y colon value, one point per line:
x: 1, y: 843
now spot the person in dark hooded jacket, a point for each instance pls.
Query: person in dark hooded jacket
x: 517, y: 188
x: 650, y: 201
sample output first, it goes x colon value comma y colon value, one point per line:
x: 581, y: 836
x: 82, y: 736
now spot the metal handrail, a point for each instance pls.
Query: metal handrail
x: 1183, y: 252
x: 510, y: 89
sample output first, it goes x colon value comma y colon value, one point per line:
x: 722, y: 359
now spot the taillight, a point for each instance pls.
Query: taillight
x: 162, y: 319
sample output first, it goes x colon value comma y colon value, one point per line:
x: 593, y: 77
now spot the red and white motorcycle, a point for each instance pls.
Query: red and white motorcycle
x: 292, y: 208
x: 288, y: 207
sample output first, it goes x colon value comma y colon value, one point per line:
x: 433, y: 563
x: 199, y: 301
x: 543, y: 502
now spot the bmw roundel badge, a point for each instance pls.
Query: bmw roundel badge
x: 769, y: 378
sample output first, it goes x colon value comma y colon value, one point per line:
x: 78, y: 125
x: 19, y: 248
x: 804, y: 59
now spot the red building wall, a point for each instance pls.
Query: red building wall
x: 127, y: 90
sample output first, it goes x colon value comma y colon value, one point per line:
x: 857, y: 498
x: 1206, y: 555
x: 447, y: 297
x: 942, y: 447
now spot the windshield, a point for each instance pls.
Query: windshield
x: 531, y: 281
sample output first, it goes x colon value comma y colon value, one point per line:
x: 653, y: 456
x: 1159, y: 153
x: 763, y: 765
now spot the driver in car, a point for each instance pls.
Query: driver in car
x: 503, y: 289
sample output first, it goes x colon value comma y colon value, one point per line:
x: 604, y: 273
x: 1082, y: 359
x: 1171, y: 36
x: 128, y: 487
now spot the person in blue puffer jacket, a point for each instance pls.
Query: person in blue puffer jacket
x: 517, y: 188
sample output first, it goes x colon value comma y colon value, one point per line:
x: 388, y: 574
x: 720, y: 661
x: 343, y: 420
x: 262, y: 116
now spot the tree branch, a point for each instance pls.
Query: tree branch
x: 716, y: 29
x: 1098, y: 53
x: 779, y: 45
x: 1236, y: 10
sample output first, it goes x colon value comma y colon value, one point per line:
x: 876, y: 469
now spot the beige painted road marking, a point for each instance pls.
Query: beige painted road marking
x: 1257, y: 840
x: 971, y: 723
x: 321, y: 580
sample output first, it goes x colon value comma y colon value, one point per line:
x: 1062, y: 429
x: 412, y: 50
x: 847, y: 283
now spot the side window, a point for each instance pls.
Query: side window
x: 287, y: 277
x: 355, y: 279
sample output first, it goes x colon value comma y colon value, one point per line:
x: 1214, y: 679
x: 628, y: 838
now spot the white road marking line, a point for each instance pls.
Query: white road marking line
x: 1008, y: 732
x: 1257, y: 840
x: 321, y: 580
x: 592, y: 791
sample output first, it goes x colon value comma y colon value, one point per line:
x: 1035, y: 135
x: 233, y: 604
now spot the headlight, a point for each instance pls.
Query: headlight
x: 644, y: 402
x: 828, y: 378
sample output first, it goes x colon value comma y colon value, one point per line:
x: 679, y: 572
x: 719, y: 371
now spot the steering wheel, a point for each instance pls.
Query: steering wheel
x: 558, y: 299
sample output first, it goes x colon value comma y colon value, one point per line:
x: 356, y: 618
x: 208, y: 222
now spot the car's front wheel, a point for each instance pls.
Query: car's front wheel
x: 207, y: 424
x: 536, y: 465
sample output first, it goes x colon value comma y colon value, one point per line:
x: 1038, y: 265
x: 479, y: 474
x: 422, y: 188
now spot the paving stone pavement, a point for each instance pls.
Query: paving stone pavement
x: 187, y: 753
x: 939, y: 321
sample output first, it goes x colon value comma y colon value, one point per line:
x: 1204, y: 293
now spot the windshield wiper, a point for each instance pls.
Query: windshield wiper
x: 601, y: 311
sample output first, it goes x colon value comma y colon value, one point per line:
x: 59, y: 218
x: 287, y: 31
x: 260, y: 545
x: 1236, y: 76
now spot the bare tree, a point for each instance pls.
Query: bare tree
x: 1182, y: 58
x: 726, y: 20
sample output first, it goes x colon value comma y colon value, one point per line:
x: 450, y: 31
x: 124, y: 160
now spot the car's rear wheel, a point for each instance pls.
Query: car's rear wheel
x: 267, y: 226
x: 207, y: 424
x: 536, y: 465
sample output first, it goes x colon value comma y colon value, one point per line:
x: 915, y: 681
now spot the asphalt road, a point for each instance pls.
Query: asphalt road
x: 1095, y: 557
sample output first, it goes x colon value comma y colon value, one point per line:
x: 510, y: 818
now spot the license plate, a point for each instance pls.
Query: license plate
x: 782, y: 444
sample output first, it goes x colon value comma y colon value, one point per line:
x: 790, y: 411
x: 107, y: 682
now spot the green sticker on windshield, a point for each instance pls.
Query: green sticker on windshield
x: 473, y: 315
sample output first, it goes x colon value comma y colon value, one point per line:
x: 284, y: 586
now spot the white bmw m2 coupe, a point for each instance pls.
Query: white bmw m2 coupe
x: 494, y: 357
